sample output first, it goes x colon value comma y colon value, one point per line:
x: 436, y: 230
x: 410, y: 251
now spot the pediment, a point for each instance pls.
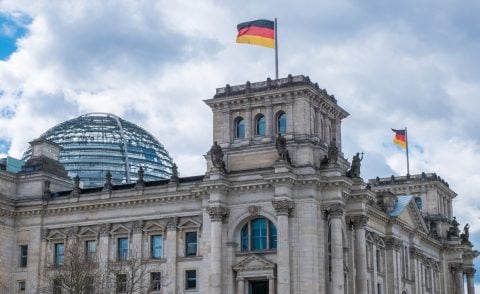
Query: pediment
x: 189, y: 223
x: 412, y: 216
x: 87, y: 232
x: 119, y: 230
x: 254, y: 262
x: 56, y: 235
x: 153, y: 226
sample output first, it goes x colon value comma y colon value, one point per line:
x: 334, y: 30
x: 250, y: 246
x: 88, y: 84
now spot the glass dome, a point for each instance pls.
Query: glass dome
x: 95, y: 143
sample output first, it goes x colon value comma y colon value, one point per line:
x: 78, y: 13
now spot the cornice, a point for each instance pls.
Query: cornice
x: 99, y: 204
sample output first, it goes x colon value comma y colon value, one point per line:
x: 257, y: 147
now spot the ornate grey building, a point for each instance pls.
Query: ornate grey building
x: 279, y: 210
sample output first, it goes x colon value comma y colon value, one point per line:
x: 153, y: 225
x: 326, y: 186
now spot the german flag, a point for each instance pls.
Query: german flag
x: 257, y: 32
x: 400, y: 138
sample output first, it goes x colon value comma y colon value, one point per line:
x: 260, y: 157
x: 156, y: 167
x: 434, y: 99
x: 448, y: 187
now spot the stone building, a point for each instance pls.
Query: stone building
x: 279, y: 210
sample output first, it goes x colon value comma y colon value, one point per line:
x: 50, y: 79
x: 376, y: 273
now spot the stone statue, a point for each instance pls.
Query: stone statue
x: 174, y: 171
x: 453, y: 231
x: 466, y: 234
x: 354, y: 171
x: 333, y: 152
x: 141, y: 174
x: 281, y: 145
x: 216, y: 154
x: 324, y: 161
x: 455, y: 225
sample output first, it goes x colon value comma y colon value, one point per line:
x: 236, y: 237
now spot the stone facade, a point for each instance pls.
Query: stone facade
x: 263, y: 224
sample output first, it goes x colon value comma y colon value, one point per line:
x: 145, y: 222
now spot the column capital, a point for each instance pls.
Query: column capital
x: 240, y: 279
x: 392, y: 243
x: 218, y: 213
x: 358, y: 221
x: 137, y: 226
x: 336, y: 210
x: 457, y: 266
x: 104, y: 229
x: 283, y: 207
x: 470, y: 272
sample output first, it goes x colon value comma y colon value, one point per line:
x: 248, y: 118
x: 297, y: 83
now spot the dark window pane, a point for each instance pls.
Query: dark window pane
x: 282, y: 123
x: 190, y: 279
x: 260, y: 129
x: 91, y: 249
x: 244, y: 242
x: 273, y: 236
x: 239, y: 128
x: 23, y: 255
x: 259, y: 234
x: 121, y: 283
x: 191, y: 243
x: 155, y: 281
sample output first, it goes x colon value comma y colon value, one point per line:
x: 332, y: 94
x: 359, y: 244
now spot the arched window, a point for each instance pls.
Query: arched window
x: 239, y: 128
x: 260, y: 125
x: 258, y: 234
x: 282, y: 123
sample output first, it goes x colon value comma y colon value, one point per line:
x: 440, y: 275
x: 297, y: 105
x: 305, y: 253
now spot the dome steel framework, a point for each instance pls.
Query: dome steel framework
x: 95, y: 143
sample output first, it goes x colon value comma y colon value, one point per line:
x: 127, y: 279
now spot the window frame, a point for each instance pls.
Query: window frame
x: 257, y: 125
x: 22, y: 285
x: 23, y: 259
x: 120, y: 256
x: 56, y: 255
x: 186, y: 286
x: 271, y: 241
x: 237, y: 123
x: 278, y: 120
x: 152, y: 249
x: 155, y: 284
x: 187, y: 254
x: 89, y: 255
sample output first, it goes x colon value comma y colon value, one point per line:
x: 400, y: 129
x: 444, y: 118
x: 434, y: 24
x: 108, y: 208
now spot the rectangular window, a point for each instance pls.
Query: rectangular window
x: 190, y: 280
x: 21, y: 285
x: 379, y: 288
x: 156, y: 246
x: 122, y: 249
x: 379, y: 261
x: 59, y: 253
x: 121, y: 283
x: 23, y: 255
x: 90, y: 249
x: 155, y: 281
x: 57, y: 286
x: 191, y: 243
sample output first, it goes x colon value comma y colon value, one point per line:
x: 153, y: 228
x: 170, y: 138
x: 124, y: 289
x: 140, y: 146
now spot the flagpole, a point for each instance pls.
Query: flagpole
x: 406, y: 141
x: 276, y: 50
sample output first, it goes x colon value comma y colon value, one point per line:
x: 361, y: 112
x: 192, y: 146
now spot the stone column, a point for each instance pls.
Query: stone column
x: 283, y: 208
x: 228, y: 128
x: 336, y: 219
x: 136, y: 247
x: 271, y: 285
x: 240, y: 285
x: 289, y: 113
x: 359, y: 223
x: 393, y: 270
x: 470, y: 273
x: 171, y: 254
x: 457, y: 271
x: 217, y: 215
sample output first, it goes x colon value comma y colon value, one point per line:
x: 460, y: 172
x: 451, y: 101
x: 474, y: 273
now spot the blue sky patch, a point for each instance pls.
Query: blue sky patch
x: 4, y: 146
x: 12, y: 27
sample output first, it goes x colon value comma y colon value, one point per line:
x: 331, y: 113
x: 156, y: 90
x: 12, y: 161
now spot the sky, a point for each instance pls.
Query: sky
x: 390, y: 64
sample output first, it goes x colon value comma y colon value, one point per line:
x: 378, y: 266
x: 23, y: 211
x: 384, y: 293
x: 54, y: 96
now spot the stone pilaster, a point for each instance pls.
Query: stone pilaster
x: 137, y: 233
x: 359, y: 224
x: 283, y: 209
x: 457, y: 271
x: 240, y: 285
x: 217, y: 215
x: 336, y: 212
x: 470, y: 273
x: 103, y: 245
x: 271, y: 285
x: 393, y: 269
x: 171, y: 254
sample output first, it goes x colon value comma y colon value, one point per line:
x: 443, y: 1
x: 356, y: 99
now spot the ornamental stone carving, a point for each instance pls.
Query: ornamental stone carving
x: 104, y: 229
x: 137, y: 226
x: 216, y: 155
x: 72, y: 231
x: 359, y: 221
x: 172, y: 223
x: 253, y: 210
x: 470, y: 272
x: 456, y: 267
x: 336, y: 210
x: 218, y: 213
x: 283, y: 207
x: 392, y: 243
